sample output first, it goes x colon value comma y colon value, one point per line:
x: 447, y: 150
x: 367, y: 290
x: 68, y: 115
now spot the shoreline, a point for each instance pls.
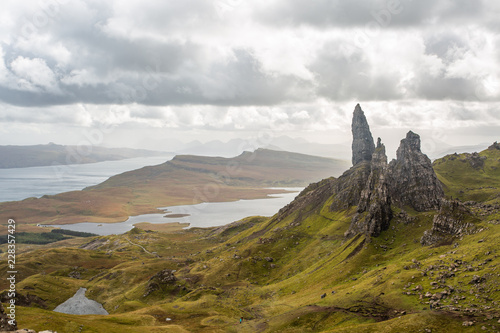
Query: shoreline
x: 205, y: 214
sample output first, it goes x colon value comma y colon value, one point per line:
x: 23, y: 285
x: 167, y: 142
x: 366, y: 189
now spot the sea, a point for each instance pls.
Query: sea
x: 21, y: 183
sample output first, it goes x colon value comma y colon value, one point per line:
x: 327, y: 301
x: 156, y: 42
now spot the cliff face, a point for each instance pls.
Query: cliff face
x: 362, y: 140
x: 412, y: 180
x: 374, y: 207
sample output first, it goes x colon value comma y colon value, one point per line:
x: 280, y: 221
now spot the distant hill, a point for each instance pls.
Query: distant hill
x: 458, y: 149
x: 54, y: 154
x: 263, y: 167
x: 340, y: 151
x: 237, y: 146
x: 184, y: 180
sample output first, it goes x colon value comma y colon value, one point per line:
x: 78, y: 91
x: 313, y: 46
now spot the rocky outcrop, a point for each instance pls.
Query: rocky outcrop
x: 5, y: 323
x: 475, y: 160
x: 348, y: 187
x: 494, y: 146
x: 374, y: 208
x: 164, y: 278
x: 362, y: 143
x: 24, y: 300
x: 412, y: 180
x: 450, y: 221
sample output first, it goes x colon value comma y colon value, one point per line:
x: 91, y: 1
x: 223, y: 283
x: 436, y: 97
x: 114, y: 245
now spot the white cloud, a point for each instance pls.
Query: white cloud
x: 291, y: 65
x: 33, y: 74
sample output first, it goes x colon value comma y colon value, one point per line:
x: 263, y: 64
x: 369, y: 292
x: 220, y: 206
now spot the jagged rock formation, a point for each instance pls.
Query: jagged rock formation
x: 412, y: 180
x: 374, y: 208
x: 362, y: 143
x: 450, y: 221
x: 348, y: 187
x: 372, y: 185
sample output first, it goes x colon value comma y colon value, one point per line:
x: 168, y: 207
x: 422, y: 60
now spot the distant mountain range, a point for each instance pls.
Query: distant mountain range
x: 340, y: 151
x: 282, y: 143
x: 53, y: 154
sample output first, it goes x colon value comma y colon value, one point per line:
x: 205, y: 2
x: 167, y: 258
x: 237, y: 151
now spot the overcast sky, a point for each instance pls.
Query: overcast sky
x: 143, y: 73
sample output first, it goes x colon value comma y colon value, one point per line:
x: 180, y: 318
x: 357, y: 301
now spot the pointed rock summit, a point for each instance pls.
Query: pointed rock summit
x: 413, y: 181
x: 362, y: 143
x: 372, y: 186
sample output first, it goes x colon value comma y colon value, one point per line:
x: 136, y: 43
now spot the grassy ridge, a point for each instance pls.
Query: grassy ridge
x: 54, y: 235
x: 464, y: 181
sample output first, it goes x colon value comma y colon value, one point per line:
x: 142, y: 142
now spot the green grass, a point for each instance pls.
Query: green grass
x: 462, y: 181
x: 371, y: 285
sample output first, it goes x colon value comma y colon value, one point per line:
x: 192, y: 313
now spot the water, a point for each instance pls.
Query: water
x: 22, y: 183
x: 207, y: 214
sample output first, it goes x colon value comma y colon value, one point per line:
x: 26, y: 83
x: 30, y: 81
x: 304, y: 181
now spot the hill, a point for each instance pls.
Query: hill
x: 382, y: 248
x: 183, y: 180
x: 53, y: 154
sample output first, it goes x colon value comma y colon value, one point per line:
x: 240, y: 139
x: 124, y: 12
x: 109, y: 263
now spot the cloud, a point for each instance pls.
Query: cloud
x: 241, y: 66
x: 356, y: 13
x: 34, y: 74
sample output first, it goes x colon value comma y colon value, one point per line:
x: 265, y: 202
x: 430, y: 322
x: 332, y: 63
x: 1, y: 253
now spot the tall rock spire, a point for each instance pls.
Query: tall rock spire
x: 362, y: 143
x: 374, y: 211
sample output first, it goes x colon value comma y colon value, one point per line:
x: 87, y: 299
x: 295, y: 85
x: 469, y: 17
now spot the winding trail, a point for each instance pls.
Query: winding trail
x: 142, y: 247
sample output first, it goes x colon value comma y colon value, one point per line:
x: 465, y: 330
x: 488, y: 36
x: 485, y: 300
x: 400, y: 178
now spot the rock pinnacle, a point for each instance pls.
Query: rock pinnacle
x: 362, y: 143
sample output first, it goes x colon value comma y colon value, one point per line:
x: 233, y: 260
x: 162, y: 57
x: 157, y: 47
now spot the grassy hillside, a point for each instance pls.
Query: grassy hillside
x: 184, y: 180
x: 52, y: 154
x: 471, y: 176
x: 293, y: 272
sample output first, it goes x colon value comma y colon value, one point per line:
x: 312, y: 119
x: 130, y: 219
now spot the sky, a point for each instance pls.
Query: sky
x: 151, y: 74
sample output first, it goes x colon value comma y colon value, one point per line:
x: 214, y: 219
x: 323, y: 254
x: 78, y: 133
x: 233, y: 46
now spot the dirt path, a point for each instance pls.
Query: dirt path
x: 143, y: 248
